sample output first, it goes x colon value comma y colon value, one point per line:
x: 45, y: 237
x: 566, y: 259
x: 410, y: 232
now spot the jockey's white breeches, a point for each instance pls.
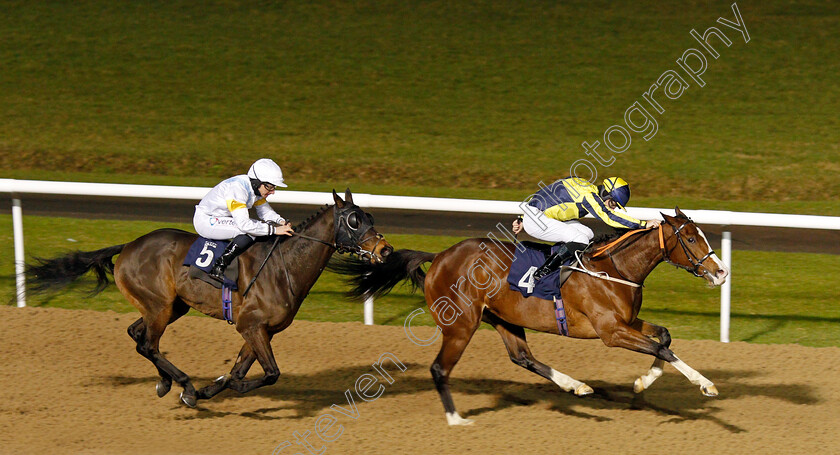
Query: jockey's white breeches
x: 539, y: 226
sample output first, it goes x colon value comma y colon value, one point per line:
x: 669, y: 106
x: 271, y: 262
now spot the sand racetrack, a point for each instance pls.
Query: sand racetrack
x: 74, y: 384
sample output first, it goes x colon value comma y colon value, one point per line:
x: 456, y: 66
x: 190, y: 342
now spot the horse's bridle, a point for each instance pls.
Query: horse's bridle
x: 697, y: 263
x: 353, y: 238
x: 339, y: 244
x: 350, y: 240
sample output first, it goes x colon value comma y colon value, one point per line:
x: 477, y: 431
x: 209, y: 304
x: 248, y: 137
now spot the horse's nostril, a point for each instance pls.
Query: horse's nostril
x: 387, y: 251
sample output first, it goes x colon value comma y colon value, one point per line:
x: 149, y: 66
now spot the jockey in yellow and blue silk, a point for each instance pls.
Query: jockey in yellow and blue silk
x: 552, y: 215
x: 223, y: 213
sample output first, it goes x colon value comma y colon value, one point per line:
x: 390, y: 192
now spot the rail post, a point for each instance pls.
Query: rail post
x: 725, y: 290
x: 369, y: 311
x: 17, y: 228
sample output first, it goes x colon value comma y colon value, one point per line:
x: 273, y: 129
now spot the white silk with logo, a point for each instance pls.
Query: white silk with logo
x: 223, y: 212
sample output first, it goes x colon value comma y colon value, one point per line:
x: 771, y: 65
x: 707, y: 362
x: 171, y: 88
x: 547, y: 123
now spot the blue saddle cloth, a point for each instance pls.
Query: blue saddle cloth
x: 203, y: 253
x: 521, y: 276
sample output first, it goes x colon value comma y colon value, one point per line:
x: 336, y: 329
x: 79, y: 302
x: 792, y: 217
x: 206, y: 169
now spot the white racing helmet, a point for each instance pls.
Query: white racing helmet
x: 267, y: 171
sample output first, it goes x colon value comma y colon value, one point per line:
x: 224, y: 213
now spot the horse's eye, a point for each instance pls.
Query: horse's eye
x: 370, y: 218
x: 692, y: 240
x: 353, y: 221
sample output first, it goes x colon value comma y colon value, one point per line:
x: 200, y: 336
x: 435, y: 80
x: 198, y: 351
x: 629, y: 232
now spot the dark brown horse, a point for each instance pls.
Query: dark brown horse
x: 149, y: 274
x: 466, y: 284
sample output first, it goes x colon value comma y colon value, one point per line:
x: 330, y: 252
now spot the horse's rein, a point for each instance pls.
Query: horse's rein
x: 285, y: 267
x: 607, y: 248
x: 331, y: 245
x: 358, y: 250
x: 603, y: 249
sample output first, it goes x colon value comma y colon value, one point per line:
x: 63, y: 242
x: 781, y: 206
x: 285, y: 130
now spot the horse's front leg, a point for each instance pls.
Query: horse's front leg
x: 260, y: 343
x: 240, y: 368
x: 620, y: 334
x: 651, y: 330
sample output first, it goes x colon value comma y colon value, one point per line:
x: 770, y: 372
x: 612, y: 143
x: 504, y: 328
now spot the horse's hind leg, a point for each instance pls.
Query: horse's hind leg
x: 450, y: 352
x: 456, y: 337
x: 622, y: 335
x: 651, y: 330
x: 137, y: 332
x: 514, y: 338
x: 157, y: 314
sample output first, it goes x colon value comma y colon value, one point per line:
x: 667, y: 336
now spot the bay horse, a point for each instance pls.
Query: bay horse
x: 150, y: 274
x: 466, y: 284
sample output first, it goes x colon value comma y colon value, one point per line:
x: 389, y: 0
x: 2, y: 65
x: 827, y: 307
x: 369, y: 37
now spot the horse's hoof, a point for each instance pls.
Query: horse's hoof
x: 162, y: 387
x: 709, y: 391
x: 454, y: 419
x: 638, y: 386
x: 188, y: 400
x: 583, y: 390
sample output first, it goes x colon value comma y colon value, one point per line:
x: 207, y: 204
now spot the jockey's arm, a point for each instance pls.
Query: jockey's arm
x: 239, y: 212
x: 596, y: 206
x: 266, y: 213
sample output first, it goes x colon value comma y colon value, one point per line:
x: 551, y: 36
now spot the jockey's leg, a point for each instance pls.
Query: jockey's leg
x: 237, y: 246
x: 572, y: 234
x: 565, y: 252
x: 539, y: 226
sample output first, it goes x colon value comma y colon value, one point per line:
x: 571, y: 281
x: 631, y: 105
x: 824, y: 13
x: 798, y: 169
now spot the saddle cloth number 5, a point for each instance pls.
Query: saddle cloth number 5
x: 527, y: 280
x: 205, y: 258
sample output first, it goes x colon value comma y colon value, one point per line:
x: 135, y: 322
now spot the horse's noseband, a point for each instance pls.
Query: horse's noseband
x: 692, y: 259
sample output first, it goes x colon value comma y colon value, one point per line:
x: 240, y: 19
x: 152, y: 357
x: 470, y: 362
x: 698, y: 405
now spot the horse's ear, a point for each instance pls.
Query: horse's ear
x: 679, y: 212
x: 666, y: 217
x: 338, y: 201
x: 348, y: 196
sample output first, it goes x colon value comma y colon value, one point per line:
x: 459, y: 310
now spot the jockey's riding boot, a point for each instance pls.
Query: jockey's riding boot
x: 236, y: 246
x: 566, y: 251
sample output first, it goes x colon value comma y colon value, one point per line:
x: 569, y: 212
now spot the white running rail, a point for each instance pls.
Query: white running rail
x: 725, y: 218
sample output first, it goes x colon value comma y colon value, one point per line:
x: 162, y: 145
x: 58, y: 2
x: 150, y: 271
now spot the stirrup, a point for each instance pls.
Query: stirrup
x: 542, y: 272
x: 217, y: 274
x: 551, y: 264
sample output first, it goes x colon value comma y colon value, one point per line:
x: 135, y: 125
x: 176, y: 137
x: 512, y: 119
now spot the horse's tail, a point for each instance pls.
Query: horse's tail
x: 374, y: 280
x: 45, y: 275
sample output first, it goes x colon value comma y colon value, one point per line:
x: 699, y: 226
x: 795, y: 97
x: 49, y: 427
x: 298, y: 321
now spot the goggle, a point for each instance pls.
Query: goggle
x: 269, y: 186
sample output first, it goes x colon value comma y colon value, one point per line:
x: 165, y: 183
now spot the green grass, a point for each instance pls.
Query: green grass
x: 453, y: 97
x: 777, y: 297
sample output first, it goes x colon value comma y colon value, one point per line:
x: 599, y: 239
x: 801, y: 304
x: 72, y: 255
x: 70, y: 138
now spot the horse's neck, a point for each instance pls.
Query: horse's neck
x: 636, y: 261
x: 305, y: 259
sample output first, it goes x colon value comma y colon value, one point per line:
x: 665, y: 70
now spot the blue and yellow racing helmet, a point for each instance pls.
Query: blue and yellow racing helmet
x: 617, y: 189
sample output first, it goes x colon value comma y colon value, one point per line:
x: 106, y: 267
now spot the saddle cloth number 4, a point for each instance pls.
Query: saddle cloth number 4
x: 205, y: 258
x: 527, y: 280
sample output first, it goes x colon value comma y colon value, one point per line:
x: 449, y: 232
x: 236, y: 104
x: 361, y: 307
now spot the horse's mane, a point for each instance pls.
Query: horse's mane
x: 608, y: 237
x: 298, y: 228
x: 307, y: 222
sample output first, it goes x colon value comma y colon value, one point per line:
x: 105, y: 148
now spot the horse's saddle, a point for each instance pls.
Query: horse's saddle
x: 525, y: 263
x: 201, y: 257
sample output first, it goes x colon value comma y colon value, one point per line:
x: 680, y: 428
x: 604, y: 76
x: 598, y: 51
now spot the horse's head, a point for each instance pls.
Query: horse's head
x: 354, y: 231
x: 689, y: 249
